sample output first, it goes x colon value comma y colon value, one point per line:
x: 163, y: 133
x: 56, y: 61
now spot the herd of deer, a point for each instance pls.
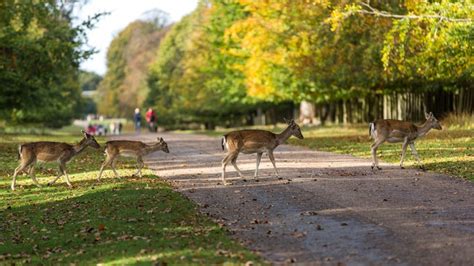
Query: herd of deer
x: 236, y: 142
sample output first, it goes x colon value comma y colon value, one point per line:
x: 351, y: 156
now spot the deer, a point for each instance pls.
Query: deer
x: 250, y: 141
x: 129, y: 148
x: 394, y: 131
x: 47, y: 151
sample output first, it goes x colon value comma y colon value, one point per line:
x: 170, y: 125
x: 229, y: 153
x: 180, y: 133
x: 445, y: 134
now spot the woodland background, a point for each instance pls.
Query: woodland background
x: 243, y: 62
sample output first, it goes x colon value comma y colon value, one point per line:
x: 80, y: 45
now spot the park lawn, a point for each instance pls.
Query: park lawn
x: 449, y: 151
x: 117, y: 221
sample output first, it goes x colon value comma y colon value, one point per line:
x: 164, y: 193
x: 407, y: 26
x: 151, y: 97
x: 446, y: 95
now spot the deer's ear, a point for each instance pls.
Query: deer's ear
x: 427, y: 116
x: 84, y: 133
x: 161, y: 140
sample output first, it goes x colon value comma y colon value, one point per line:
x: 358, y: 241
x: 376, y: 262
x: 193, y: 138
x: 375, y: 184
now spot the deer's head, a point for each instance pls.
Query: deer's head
x: 163, y: 145
x: 294, y: 128
x: 432, y: 121
x: 89, y: 140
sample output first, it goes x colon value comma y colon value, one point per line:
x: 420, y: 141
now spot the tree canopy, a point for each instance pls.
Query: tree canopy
x: 124, y: 85
x: 230, y: 57
x: 40, y: 52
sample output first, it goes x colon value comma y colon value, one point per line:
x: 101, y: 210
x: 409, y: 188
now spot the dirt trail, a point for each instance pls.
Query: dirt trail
x: 327, y: 208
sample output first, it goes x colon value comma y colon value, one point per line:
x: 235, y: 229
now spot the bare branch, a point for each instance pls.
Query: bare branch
x: 375, y: 12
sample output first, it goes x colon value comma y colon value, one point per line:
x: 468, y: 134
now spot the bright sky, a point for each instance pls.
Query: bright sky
x: 122, y: 13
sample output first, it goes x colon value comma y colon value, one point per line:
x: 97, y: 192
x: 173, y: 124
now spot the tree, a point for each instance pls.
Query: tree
x: 192, y: 80
x: 89, y: 80
x: 40, y: 54
x: 124, y: 86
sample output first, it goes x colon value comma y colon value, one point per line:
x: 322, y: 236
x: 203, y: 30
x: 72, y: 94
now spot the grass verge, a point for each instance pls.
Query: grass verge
x: 117, y: 221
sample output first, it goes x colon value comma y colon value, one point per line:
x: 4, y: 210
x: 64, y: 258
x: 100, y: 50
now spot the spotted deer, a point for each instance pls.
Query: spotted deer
x: 394, y: 131
x: 255, y: 141
x: 46, y: 151
x: 129, y: 148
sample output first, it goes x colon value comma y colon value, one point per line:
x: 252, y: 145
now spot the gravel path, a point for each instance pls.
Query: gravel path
x: 327, y: 208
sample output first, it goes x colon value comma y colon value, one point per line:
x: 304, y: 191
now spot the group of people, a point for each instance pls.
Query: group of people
x: 150, y: 117
x: 115, y: 128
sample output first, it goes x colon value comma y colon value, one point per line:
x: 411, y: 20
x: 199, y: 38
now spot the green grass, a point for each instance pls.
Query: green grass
x: 449, y: 151
x: 118, y: 221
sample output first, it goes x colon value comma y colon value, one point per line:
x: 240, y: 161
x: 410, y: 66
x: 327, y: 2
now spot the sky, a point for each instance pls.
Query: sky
x: 122, y: 13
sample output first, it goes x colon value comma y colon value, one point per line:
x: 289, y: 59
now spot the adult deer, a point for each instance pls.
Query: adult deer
x: 255, y: 141
x: 129, y: 148
x: 46, y: 151
x: 400, y: 131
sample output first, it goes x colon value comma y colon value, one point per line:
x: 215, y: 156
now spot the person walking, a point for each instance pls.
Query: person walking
x: 151, y: 119
x: 137, y: 118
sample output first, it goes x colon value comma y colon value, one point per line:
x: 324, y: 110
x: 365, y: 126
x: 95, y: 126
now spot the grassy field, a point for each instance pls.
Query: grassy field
x: 449, y: 151
x: 118, y: 221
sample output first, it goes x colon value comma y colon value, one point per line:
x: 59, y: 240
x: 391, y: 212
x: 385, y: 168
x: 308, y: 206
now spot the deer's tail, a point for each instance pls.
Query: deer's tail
x: 19, y: 152
x: 223, y: 142
x: 372, y: 131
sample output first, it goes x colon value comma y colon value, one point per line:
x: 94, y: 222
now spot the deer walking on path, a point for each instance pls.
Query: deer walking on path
x: 46, y: 151
x: 400, y: 131
x: 255, y: 141
x: 129, y: 148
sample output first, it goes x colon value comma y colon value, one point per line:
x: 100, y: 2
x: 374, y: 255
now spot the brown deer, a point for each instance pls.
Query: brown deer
x: 255, y: 141
x: 400, y: 131
x: 46, y: 151
x: 130, y: 148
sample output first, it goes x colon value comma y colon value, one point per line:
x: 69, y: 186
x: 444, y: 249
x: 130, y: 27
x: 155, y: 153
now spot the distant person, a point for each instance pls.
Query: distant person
x: 137, y: 118
x: 100, y: 130
x: 120, y: 125
x: 151, y: 120
x: 113, y: 128
x: 90, y: 129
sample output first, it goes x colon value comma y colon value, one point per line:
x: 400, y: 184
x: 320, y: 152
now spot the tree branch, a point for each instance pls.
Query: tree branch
x: 375, y: 12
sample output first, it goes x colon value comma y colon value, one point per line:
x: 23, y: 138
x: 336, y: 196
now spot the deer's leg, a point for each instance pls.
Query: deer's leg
x: 60, y: 173
x: 113, y: 163
x: 68, y: 182
x: 32, y: 174
x: 140, y: 165
x: 415, y: 153
x: 259, y: 157
x: 234, y: 163
x: 225, y: 161
x: 404, y: 150
x: 272, y: 159
x: 18, y: 170
x: 106, y: 162
x: 373, y: 148
x: 23, y: 165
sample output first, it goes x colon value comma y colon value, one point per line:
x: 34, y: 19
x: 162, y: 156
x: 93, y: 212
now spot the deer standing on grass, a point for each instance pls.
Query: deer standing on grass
x: 130, y: 148
x: 400, y: 131
x: 255, y: 141
x: 46, y: 151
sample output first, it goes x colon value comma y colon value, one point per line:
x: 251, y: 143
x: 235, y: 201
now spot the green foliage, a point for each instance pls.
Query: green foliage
x: 39, y: 57
x: 430, y: 48
x: 89, y: 80
x: 117, y: 221
x: 192, y: 79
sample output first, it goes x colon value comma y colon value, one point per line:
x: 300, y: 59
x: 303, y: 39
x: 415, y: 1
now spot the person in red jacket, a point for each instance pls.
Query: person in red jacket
x: 151, y: 120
